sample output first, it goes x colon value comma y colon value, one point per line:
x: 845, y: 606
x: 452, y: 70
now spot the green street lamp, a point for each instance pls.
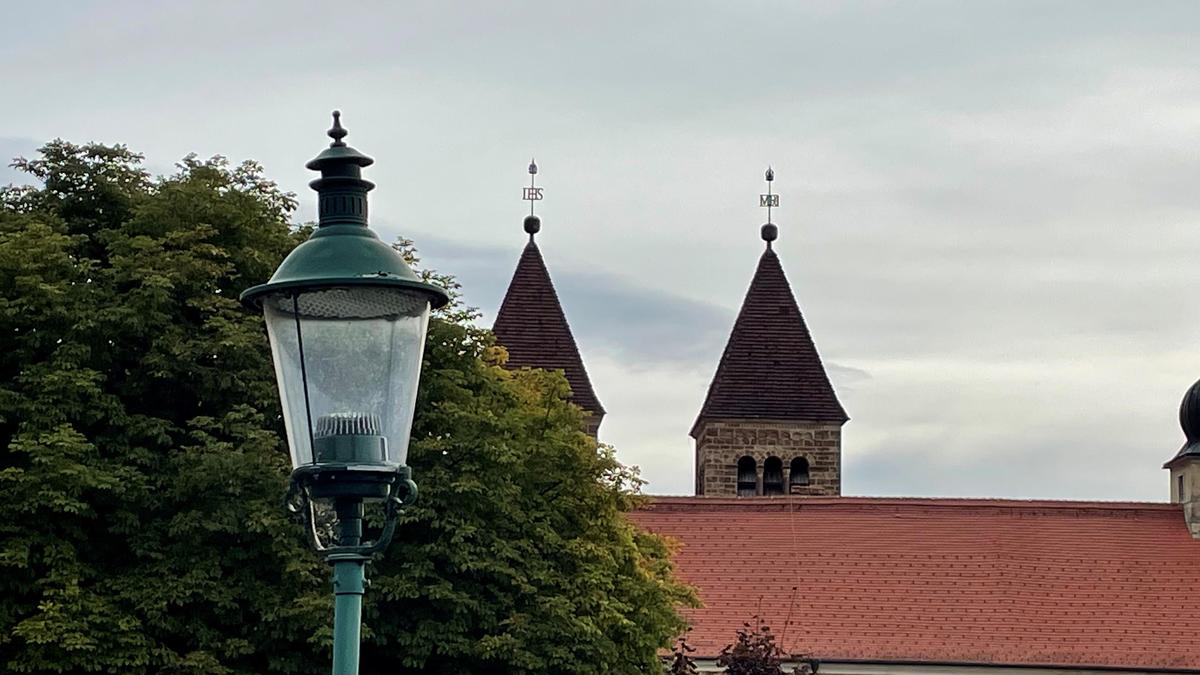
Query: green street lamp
x: 346, y: 319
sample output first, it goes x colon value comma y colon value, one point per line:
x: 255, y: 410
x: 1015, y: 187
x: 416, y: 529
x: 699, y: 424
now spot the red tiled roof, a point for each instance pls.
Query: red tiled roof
x: 770, y: 368
x: 942, y: 580
x: 532, y: 327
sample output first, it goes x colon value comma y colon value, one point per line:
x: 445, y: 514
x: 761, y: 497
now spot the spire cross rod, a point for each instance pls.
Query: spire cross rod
x: 769, y: 195
x: 533, y: 193
x: 770, y: 200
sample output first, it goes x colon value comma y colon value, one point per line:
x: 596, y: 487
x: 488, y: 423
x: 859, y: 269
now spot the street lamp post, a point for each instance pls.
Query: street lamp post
x: 346, y: 319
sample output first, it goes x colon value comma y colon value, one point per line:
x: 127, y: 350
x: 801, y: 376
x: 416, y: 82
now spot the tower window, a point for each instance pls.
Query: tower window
x: 1179, y: 488
x: 798, y: 476
x: 773, y: 476
x: 747, y: 481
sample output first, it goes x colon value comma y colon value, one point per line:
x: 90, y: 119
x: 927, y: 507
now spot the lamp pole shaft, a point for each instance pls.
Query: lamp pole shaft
x: 348, y: 583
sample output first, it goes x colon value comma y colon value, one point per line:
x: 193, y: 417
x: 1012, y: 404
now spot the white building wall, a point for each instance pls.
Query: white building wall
x: 709, y: 667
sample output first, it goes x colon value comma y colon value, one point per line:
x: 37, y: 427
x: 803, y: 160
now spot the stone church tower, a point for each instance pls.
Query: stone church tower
x: 1185, y: 465
x: 532, y: 327
x: 771, y: 424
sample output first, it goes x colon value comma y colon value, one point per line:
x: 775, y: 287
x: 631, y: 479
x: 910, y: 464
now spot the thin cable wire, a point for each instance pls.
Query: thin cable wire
x: 304, y: 376
x: 791, y: 516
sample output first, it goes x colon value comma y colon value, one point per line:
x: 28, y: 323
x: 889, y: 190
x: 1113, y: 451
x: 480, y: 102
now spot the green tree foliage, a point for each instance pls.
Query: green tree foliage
x: 142, y: 464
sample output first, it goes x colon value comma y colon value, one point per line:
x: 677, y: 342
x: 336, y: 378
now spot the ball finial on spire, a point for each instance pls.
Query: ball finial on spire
x: 770, y: 174
x: 533, y: 225
x: 337, y: 132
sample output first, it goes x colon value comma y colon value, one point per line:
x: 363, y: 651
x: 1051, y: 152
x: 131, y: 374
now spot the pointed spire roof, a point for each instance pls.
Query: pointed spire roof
x: 770, y: 368
x: 532, y: 327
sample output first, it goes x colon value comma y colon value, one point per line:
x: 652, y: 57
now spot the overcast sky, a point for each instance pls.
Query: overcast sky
x: 989, y: 210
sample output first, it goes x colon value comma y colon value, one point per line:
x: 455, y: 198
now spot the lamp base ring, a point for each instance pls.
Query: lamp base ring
x: 341, y: 481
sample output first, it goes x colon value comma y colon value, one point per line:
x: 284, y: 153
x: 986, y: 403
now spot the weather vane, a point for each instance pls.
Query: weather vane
x: 532, y: 193
x: 769, y: 200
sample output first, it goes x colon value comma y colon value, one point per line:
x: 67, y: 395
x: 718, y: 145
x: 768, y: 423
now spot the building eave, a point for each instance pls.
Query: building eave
x: 707, y: 664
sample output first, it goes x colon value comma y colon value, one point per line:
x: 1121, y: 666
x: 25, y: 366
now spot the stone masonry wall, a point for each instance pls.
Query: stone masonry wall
x: 719, y: 445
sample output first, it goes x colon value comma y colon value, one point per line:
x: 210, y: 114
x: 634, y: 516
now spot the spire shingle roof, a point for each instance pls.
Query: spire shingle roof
x: 770, y: 368
x: 532, y: 327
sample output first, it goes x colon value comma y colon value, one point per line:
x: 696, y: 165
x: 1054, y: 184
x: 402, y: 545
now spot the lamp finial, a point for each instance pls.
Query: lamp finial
x: 337, y: 132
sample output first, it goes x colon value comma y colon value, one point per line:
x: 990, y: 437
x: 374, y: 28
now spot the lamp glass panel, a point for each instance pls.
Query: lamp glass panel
x: 362, y: 349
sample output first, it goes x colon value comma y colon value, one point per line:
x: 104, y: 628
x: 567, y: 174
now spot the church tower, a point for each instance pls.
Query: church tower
x: 771, y: 423
x: 1185, y: 465
x: 532, y: 327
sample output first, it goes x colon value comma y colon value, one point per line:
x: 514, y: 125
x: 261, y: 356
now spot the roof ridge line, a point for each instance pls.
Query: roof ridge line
x: 940, y: 502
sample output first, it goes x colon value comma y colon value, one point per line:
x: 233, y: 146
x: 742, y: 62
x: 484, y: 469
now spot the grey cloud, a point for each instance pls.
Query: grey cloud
x: 637, y: 322
x: 1039, y: 467
x: 846, y: 376
x: 1000, y: 194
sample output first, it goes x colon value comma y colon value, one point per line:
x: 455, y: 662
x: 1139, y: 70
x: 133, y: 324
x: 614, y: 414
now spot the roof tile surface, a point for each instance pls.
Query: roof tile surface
x: 532, y: 327
x: 770, y: 368
x: 942, y: 580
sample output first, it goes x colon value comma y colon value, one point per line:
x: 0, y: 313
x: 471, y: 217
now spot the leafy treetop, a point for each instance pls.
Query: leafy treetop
x: 143, y: 469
